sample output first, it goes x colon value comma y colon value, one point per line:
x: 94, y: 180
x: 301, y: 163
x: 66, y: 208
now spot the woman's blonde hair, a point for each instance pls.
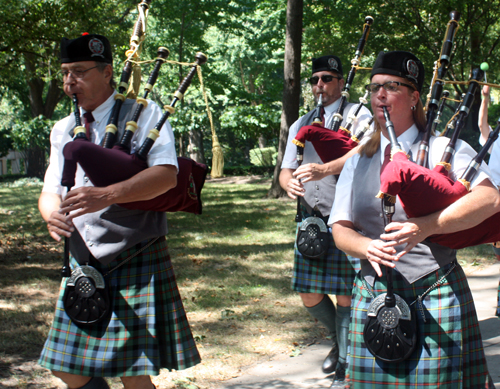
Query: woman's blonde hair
x: 371, y: 147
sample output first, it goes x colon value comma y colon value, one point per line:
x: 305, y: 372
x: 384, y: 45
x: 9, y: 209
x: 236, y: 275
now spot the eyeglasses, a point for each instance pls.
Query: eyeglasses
x: 325, y: 78
x: 77, y: 73
x: 389, y: 86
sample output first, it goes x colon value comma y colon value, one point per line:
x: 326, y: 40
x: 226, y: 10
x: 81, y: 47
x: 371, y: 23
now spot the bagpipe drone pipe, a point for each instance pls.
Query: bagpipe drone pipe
x: 337, y: 118
x: 437, y: 86
x: 333, y: 143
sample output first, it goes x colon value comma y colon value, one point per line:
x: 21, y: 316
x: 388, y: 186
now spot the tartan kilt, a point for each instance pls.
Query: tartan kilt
x: 332, y: 275
x: 148, y: 329
x: 449, y: 353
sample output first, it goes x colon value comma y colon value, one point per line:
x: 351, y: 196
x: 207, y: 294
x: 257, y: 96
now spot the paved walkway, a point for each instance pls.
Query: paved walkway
x: 304, y: 371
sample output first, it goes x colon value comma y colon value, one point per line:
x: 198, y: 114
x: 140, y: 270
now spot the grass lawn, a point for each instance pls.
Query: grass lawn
x: 233, y: 265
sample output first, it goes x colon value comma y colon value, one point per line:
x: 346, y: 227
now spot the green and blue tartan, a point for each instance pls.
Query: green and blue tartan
x: 450, y: 350
x: 332, y: 275
x: 148, y: 329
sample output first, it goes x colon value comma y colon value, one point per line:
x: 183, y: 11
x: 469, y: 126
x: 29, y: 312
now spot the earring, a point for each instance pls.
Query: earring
x: 414, y: 108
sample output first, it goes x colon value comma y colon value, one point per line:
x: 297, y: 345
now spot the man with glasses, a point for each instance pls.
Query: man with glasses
x: 147, y: 329
x: 315, y: 182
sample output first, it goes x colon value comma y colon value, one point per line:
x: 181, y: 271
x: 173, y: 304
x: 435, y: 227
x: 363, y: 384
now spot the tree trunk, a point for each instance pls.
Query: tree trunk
x: 195, y: 148
x: 182, y: 148
x: 262, y: 141
x: 35, y: 162
x: 291, y: 87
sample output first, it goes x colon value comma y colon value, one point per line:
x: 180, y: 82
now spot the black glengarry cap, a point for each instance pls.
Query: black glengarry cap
x: 402, y: 64
x: 330, y: 63
x: 88, y: 47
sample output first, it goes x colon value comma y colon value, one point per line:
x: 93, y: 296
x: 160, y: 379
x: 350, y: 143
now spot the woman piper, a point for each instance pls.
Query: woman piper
x: 449, y: 350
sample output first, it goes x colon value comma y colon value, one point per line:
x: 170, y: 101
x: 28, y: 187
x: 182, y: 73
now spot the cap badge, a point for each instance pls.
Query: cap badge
x: 96, y: 47
x: 332, y: 63
x: 412, y: 69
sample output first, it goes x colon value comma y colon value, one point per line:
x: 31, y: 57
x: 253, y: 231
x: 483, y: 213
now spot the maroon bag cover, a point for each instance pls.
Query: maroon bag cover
x: 423, y: 191
x: 329, y: 145
x: 108, y: 166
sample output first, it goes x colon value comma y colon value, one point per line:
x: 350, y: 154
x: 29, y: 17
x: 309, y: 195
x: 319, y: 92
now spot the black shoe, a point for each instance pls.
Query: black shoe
x: 330, y: 362
x: 339, y: 380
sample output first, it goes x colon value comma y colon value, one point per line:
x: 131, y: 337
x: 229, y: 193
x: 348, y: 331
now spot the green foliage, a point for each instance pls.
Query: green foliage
x: 5, y: 142
x: 244, y: 41
x: 31, y: 133
x: 493, y: 114
x: 263, y: 157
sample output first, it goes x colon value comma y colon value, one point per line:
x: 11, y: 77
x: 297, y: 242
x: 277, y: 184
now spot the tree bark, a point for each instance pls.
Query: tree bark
x: 291, y: 86
x: 182, y: 148
x: 195, y: 148
x: 262, y: 141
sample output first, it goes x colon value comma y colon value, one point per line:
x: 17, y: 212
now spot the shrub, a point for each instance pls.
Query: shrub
x: 263, y: 157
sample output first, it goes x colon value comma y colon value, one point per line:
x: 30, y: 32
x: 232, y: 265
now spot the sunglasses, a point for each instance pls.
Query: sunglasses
x: 325, y: 78
x: 389, y: 86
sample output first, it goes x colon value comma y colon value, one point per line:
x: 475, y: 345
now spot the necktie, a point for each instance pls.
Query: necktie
x: 322, y: 115
x: 387, y: 157
x: 89, y: 118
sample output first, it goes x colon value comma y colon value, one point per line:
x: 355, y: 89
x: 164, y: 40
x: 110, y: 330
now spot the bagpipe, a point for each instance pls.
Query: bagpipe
x: 112, y: 162
x: 105, y: 166
x: 333, y: 143
x: 423, y: 191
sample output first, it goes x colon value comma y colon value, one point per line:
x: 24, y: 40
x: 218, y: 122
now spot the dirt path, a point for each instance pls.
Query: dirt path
x: 240, y: 180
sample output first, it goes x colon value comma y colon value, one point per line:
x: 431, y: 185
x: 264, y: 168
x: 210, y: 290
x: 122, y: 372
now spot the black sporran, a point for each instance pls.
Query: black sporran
x: 312, y: 238
x: 390, y: 333
x: 86, y: 298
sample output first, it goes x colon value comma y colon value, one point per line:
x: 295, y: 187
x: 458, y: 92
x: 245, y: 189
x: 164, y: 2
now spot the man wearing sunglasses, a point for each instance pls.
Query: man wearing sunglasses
x: 315, y: 182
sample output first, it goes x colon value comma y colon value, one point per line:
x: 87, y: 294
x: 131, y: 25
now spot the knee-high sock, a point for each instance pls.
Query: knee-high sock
x: 343, y: 320
x: 324, y: 311
x: 96, y: 383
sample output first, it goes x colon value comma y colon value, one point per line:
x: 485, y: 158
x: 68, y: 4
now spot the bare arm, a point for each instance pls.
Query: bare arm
x: 483, y: 113
x: 316, y: 172
x: 481, y: 203
x: 145, y: 185
x: 353, y: 243
x: 58, y: 223
x: 467, y: 212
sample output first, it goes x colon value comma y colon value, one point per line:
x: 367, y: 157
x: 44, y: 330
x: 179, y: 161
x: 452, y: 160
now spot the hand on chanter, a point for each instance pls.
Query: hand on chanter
x: 408, y: 232
x: 379, y: 253
x: 86, y: 199
x: 59, y: 224
x: 294, y: 188
x: 310, y: 172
